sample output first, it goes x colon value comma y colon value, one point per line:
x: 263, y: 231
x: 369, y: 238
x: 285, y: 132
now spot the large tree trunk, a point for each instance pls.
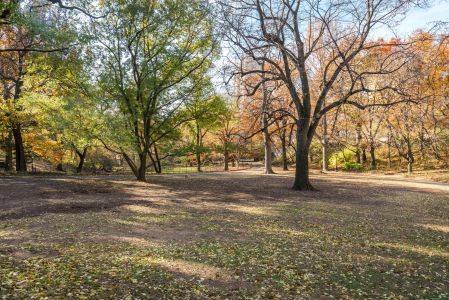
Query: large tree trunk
x: 284, y: 150
x: 21, y: 165
x: 364, y: 158
x: 226, y: 160
x: 302, y: 182
x: 373, y: 156
x: 82, y: 157
x: 9, y: 147
x: 141, y: 172
x: 409, y: 167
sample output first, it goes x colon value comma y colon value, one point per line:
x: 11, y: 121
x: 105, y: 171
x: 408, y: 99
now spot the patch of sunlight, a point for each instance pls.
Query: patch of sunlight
x: 136, y: 241
x: 212, y: 227
x: 415, y: 249
x: 161, y: 218
x: 5, y: 233
x: 150, y: 219
x: 252, y: 210
x: 440, y: 228
x: 192, y: 268
x: 379, y: 258
x: 142, y: 209
x: 9, y: 234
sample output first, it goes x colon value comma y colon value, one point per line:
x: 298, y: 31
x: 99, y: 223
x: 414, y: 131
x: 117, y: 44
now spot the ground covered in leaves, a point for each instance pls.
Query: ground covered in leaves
x: 236, y: 236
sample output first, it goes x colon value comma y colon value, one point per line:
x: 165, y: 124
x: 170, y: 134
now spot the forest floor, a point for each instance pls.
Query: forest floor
x: 235, y: 235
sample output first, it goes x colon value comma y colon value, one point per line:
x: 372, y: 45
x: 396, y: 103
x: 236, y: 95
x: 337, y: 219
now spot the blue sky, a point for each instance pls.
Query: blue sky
x: 422, y: 18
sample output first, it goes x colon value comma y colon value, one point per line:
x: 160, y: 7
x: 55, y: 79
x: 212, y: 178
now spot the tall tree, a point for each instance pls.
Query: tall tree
x: 21, y: 40
x: 151, y: 55
x: 288, y: 35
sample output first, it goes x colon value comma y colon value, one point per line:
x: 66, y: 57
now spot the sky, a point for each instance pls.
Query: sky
x: 418, y: 18
x: 422, y: 18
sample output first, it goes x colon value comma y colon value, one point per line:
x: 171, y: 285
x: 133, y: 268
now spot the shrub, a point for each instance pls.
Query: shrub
x: 352, y: 166
x: 341, y: 157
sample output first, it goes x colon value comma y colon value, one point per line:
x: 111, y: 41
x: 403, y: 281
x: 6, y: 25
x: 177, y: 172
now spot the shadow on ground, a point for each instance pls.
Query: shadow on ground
x: 233, y: 235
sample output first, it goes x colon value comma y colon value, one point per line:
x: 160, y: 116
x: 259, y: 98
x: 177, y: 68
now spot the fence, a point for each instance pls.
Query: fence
x: 176, y: 167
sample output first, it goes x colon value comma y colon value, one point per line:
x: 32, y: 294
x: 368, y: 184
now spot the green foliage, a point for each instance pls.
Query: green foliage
x: 62, y: 98
x: 352, y: 166
x: 152, y: 57
x: 341, y: 157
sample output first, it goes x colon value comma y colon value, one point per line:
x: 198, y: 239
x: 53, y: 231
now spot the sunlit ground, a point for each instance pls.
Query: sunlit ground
x: 240, y: 235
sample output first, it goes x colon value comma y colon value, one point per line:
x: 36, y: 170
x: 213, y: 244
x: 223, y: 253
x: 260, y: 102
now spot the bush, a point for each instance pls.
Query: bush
x: 352, y: 166
x: 341, y: 157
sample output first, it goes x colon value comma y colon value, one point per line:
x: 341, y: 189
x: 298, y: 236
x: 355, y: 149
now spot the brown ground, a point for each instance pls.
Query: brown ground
x: 214, y: 235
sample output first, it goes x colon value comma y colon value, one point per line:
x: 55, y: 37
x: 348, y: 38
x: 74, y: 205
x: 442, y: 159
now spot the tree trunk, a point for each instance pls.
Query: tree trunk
x: 364, y: 158
x: 324, y: 146
x: 284, y: 150
x: 198, y: 149
x: 409, y: 167
x: 389, y: 151
x: 60, y: 167
x: 141, y: 172
x: 21, y: 165
x: 130, y: 163
x: 373, y: 156
x: 410, y: 158
x: 226, y: 160
x: 268, y: 169
x: 198, y: 162
x: 82, y: 157
x: 422, y: 146
x: 9, y: 147
x: 358, y: 139
x: 155, y: 161
x: 336, y: 161
x: 325, y: 155
x: 302, y: 182
x: 158, y: 167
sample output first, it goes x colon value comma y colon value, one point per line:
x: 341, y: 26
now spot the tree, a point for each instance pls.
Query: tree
x: 229, y: 131
x: 403, y: 131
x: 12, y: 72
x: 19, y: 41
x: 289, y: 36
x: 205, y: 112
x: 151, y: 54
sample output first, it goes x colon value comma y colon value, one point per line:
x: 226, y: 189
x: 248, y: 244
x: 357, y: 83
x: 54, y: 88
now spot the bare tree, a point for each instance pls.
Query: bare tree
x: 289, y: 34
